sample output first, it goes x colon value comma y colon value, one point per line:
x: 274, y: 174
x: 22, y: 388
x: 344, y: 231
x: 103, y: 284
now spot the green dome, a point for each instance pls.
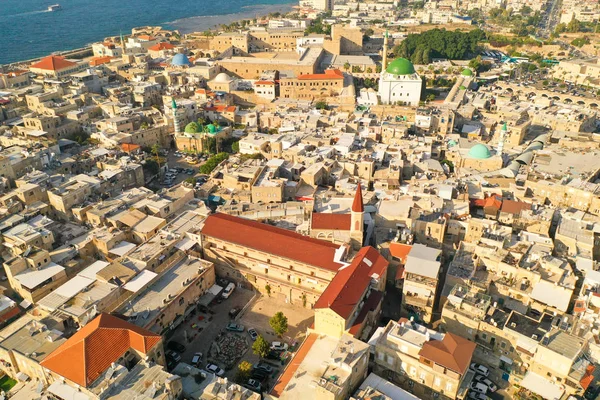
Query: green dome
x: 211, y: 128
x: 467, y: 72
x: 480, y: 152
x: 452, y: 143
x: 400, y: 66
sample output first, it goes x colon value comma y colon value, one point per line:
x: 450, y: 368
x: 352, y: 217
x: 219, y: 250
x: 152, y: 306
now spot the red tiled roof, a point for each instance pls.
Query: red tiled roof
x: 100, y: 60
x: 514, y: 207
x: 588, y: 377
x: 400, y: 250
x: 400, y: 273
x: 329, y: 74
x: 579, y: 306
x: 146, y: 37
x: 348, y: 286
x: 357, y: 204
x: 493, y: 201
x: 453, y: 352
x: 271, y: 240
x: 264, y: 83
x: 53, y: 63
x: 329, y: 221
x: 292, y: 367
x: 161, y: 46
x: 221, y: 108
x: 129, y: 147
x: 87, y: 354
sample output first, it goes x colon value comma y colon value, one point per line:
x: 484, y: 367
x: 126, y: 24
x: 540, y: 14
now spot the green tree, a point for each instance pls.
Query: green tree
x: 268, y: 289
x: 260, y: 347
x: 156, y: 151
x: 212, y: 163
x: 321, y: 105
x: 243, y: 372
x: 235, y: 147
x: 273, y: 131
x: 346, y: 66
x: 279, y: 323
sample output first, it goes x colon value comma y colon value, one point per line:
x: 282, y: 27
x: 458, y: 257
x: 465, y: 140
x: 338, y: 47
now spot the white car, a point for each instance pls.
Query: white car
x: 478, y: 387
x: 215, y: 369
x: 279, y: 346
x: 480, y: 369
x: 487, y: 382
x: 196, y: 359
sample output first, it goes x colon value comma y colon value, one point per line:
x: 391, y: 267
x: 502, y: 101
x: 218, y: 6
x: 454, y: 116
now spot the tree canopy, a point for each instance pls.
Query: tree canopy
x: 212, y: 163
x: 279, y: 323
x: 439, y: 43
x: 260, y: 347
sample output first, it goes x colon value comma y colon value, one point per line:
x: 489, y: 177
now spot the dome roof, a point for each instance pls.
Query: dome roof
x: 480, y: 152
x: 452, y: 143
x: 467, y: 72
x: 222, y: 77
x: 180, y: 60
x: 211, y: 128
x: 400, y: 66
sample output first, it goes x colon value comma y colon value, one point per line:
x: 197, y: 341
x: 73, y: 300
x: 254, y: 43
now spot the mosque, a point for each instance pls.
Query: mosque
x: 472, y: 155
x: 399, y: 83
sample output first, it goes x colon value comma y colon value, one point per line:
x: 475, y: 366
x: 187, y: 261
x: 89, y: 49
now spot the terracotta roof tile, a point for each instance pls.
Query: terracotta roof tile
x: 514, y: 207
x: 292, y: 367
x: 400, y: 250
x: 371, y: 303
x: 161, y: 46
x: 271, y: 240
x: 53, y: 63
x: 588, y: 377
x: 87, y: 354
x: 329, y: 74
x: 348, y: 286
x: 329, y: 221
x: 357, y: 204
x: 453, y: 352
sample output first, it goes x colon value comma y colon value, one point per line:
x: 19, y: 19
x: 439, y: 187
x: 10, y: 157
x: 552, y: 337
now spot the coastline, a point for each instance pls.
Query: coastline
x: 204, y: 22
x: 198, y: 23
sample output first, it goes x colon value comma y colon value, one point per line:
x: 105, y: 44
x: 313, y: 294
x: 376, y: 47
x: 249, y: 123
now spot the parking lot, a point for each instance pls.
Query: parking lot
x: 206, y: 332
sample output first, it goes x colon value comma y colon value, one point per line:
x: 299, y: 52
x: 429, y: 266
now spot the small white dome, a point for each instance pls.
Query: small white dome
x: 223, y: 78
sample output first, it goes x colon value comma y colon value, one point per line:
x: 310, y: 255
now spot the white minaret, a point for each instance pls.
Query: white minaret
x: 503, y: 133
x: 176, y: 123
x: 385, y: 51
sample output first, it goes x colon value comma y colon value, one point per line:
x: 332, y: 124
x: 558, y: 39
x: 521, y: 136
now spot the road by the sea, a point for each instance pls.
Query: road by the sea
x: 30, y: 31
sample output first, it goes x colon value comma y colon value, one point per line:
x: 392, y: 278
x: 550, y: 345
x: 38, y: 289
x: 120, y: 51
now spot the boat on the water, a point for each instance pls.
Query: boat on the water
x: 54, y: 7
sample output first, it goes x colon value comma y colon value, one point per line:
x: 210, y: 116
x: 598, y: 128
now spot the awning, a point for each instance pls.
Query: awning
x: 542, y: 386
x: 506, y: 360
x: 209, y: 296
x: 64, y: 391
x: 23, y: 377
x: 25, y: 304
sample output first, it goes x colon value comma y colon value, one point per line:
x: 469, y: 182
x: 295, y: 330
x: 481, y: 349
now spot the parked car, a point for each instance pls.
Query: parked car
x: 253, y: 384
x: 279, y: 346
x: 478, y: 387
x: 172, y: 355
x: 487, y: 382
x: 477, y: 396
x: 196, y: 359
x: 214, y: 369
x: 178, y: 347
x: 263, y: 367
x: 228, y: 290
x: 235, y: 327
x: 259, y: 375
x: 274, y: 355
x: 234, y: 312
x: 253, y: 334
x: 480, y: 369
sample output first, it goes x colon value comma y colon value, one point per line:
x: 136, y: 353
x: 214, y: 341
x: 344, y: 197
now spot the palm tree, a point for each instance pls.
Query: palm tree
x: 156, y: 150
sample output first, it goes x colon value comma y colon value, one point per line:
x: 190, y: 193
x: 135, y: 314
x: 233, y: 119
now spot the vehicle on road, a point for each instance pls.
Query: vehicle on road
x: 173, y: 355
x: 279, y: 346
x: 263, y: 367
x: 253, y: 334
x: 228, y: 290
x: 214, y: 369
x: 196, y: 359
x: 491, y: 385
x: 259, y: 375
x: 478, y: 387
x: 234, y: 312
x: 253, y: 384
x: 477, y: 396
x: 479, y: 369
x: 176, y: 346
x: 235, y: 327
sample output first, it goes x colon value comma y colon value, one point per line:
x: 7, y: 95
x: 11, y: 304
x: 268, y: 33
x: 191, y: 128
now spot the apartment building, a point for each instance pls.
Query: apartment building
x: 421, y: 281
x: 433, y: 364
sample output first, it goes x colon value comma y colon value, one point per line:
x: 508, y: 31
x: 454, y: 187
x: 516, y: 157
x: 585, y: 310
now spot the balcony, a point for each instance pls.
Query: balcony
x: 418, y: 301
